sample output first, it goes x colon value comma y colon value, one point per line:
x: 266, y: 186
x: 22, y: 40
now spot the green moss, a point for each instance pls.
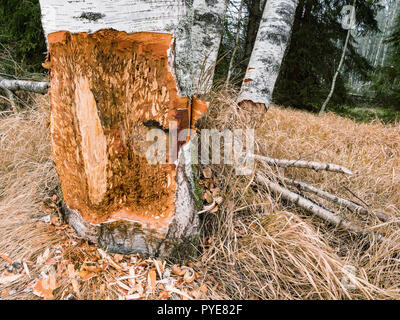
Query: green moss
x: 198, y: 191
x: 186, y: 250
x: 367, y: 114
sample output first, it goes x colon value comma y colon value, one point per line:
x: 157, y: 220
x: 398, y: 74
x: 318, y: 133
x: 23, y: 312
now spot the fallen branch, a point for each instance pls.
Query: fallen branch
x: 32, y: 86
x: 352, y: 206
x: 308, y: 205
x: 317, y: 166
x: 10, y: 97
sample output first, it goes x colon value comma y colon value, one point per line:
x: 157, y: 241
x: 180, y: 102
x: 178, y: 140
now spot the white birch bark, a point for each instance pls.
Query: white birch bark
x: 271, y: 42
x: 131, y: 16
x: 328, y: 98
x: 327, y: 215
x: 317, y: 166
x: 32, y: 86
x: 197, y: 28
x: 122, y: 15
x: 352, y: 206
x: 231, y: 62
x: 208, y: 24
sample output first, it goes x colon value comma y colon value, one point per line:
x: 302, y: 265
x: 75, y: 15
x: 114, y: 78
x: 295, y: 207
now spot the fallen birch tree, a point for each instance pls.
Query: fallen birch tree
x: 25, y: 85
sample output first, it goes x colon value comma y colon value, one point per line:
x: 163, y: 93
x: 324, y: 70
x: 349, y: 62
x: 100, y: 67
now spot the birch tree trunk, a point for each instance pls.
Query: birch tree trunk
x: 208, y: 24
x: 265, y: 61
x: 118, y: 69
x: 328, y: 98
x: 237, y: 38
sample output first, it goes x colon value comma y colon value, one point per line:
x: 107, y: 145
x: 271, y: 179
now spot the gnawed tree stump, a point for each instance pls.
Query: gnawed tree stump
x: 117, y: 70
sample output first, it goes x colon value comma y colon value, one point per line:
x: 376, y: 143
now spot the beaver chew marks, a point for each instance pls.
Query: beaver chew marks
x: 105, y: 90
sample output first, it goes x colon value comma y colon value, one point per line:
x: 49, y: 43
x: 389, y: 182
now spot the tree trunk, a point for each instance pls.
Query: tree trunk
x: 265, y: 62
x: 117, y: 70
x: 328, y: 98
x: 255, y: 9
x: 208, y: 24
x: 237, y: 38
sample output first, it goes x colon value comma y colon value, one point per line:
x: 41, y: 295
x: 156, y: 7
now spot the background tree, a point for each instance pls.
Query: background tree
x: 23, y: 46
x: 315, y: 50
x: 386, y: 84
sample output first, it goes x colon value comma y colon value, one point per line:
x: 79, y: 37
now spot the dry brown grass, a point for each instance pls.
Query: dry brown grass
x: 255, y: 246
x: 27, y: 178
x: 268, y: 249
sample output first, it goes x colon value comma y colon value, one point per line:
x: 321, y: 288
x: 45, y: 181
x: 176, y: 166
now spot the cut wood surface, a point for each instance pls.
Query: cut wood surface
x: 115, y: 75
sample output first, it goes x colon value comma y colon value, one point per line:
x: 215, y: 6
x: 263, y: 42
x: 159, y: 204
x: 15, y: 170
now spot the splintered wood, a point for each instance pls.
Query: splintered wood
x: 106, y: 89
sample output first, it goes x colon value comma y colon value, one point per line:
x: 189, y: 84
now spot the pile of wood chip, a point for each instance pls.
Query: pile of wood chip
x: 74, y: 269
x: 212, y: 186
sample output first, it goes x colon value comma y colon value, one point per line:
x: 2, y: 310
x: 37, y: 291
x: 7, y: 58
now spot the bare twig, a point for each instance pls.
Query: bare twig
x: 352, y: 206
x: 329, y: 216
x: 32, y: 86
x: 317, y: 166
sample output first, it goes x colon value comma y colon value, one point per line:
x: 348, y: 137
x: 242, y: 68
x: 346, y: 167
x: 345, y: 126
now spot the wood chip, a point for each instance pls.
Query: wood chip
x: 207, y: 173
x: 105, y: 256
x: 9, y: 279
x: 207, y: 196
x: 74, y: 282
x: 6, y: 258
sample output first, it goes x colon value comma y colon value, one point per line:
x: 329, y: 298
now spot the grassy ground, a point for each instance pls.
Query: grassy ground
x: 256, y: 246
x: 368, y: 114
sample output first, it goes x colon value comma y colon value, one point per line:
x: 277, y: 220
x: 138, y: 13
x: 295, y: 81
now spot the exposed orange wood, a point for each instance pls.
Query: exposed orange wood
x: 104, y: 87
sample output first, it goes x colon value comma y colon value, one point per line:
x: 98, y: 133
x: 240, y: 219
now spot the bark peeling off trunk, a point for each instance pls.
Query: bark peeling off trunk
x: 106, y: 88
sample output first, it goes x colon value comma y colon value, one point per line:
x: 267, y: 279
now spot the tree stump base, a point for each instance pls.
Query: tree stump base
x: 108, y: 90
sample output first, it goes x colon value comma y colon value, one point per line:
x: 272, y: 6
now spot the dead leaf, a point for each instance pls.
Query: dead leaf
x: 190, y: 275
x: 219, y: 200
x: 164, y: 295
x: 207, y: 196
x: 215, y: 192
x: 178, y: 271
